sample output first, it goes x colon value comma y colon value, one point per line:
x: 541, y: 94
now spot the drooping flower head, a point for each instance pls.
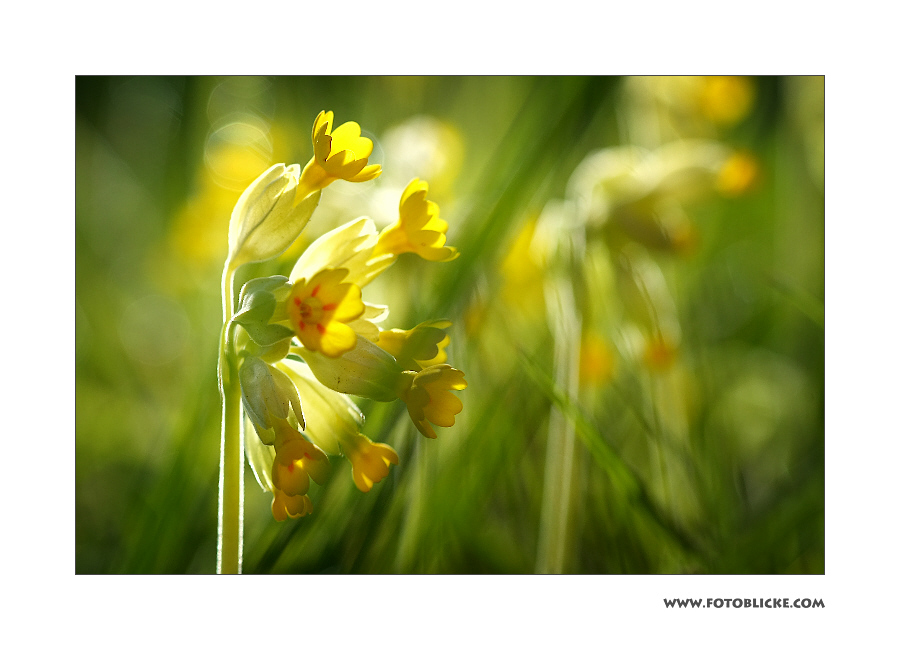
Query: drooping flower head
x: 343, y: 351
x: 428, y: 398
x: 419, y: 229
x: 371, y: 460
x: 336, y: 421
x: 296, y: 460
x: 339, y: 154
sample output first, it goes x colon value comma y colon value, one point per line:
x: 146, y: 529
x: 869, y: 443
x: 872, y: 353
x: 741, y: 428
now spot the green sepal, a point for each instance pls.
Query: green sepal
x: 256, y: 303
x: 266, y: 335
x: 258, y: 393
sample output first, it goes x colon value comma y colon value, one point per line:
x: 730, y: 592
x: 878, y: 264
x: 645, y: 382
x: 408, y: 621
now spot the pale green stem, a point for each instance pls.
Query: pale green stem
x: 231, y: 454
x: 565, y: 324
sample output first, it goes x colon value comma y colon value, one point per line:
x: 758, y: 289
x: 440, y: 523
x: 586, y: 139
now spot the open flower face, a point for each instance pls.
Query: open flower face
x: 419, y: 229
x: 428, y: 399
x: 320, y: 308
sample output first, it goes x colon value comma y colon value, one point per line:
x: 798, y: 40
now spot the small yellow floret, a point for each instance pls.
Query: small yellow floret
x: 419, y: 229
x: 422, y: 346
x: 284, y: 506
x: 428, y: 399
x: 341, y: 154
x: 371, y: 460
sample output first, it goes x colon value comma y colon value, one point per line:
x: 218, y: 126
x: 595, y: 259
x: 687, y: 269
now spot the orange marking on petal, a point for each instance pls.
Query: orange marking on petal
x: 320, y: 327
x: 297, y: 301
x: 302, y: 325
x: 315, y: 291
x: 291, y: 468
x: 329, y: 307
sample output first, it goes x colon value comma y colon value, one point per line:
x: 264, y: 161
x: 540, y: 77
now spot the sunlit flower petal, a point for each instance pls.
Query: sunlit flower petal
x: 320, y: 308
x: 339, y: 154
x: 418, y: 348
x: 418, y: 230
x: 371, y: 460
x: 428, y: 400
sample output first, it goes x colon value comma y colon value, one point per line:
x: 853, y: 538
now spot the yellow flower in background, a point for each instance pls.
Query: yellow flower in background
x: 342, y: 154
x: 739, y: 174
x: 419, y: 229
x: 598, y: 363
x: 659, y: 353
x: 725, y: 100
x: 428, y: 399
x: 320, y: 308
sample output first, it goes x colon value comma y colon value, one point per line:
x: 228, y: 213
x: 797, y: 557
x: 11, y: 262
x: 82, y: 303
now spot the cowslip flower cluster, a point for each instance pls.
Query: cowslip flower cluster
x: 302, y: 344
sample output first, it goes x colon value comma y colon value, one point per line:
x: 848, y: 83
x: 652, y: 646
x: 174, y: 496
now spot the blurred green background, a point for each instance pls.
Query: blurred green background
x: 638, y: 308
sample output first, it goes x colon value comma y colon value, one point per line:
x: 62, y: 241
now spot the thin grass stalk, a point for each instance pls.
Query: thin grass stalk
x: 565, y: 325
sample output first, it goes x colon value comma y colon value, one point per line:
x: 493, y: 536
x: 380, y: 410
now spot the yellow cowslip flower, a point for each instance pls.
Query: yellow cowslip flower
x: 342, y: 154
x: 320, y: 308
x: 418, y: 348
x: 334, y: 426
x: 284, y: 506
x: 288, y: 500
x: 428, y: 399
x: 296, y: 460
x: 350, y: 247
x: 419, y: 229
x: 371, y: 460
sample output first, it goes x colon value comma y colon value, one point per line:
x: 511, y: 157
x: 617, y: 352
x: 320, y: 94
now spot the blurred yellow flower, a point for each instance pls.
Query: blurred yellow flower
x: 725, y: 100
x: 739, y: 173
x: 419, y: 229
x: 659, y: 353
x: 320, y: 308
x: 428, y: 399
x: 342, y: 154
x: 598, y: 363
x: 523, y: 271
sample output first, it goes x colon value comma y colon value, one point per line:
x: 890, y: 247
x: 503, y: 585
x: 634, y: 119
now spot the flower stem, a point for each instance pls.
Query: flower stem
x: 231, y: 455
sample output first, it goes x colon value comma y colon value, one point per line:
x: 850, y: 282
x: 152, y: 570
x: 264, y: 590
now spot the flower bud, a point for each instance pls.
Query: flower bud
x: 268, y: 395
x: 268, y: 216
x: 366, y: 371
